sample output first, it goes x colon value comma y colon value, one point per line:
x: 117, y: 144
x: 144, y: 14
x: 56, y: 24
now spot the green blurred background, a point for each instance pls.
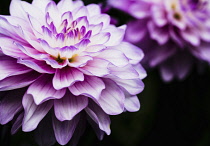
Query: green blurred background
x: 175, y: 113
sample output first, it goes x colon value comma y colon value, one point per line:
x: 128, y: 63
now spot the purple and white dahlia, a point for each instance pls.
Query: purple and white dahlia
x: 174, y: 34
x: 61, y: 64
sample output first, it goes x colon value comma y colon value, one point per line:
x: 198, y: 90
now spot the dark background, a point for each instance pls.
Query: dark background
x: 175, y: 113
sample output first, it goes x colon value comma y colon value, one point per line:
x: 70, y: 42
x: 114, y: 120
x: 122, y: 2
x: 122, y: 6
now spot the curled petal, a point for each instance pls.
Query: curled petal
x: 66, y: 77
x: 69, y: 106
x: 91, y: 87
x: 64, y: 130
x: 33, y: 113
x: 42, y: 90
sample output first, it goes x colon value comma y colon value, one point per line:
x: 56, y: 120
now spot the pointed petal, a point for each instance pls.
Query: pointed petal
x: 99, y: 117
x: 91, y: 87
x: 10, y: 104
x: 33, y: 113
x: 44, y: 134
x: 114, y: 56
x: 69, y: 106
x: 132, y: 103
x: 112, y: 98
x: 64, y: 130
x: 43, y: 90
x: 133, y: 53
x: 10, y: 67
x: 18, y: 123
x: 97, y: 67
x: 65, y: 77
x: 19, y: 81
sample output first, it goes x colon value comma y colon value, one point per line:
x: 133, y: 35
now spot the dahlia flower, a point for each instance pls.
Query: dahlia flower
x: 61, y: 64
x: 174, y: 34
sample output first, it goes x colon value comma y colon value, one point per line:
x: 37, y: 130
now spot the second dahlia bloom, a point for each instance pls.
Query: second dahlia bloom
x: 174, y: 34
x: 61, y: 64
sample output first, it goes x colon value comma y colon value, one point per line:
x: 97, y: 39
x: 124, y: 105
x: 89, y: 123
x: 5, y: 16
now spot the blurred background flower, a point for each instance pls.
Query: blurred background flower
x: 174, y: 34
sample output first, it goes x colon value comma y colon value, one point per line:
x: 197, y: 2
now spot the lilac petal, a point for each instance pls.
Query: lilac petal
x: 114, y: 56
x: 16, y: 9
x: 69, y: 5
x: 22, y: 9
x: 82, y: 21
x: 100, y: 38
x: 97, y: 19
x: 10, y: 104
x: 159, y: 34
x: 202, y: 52
x: 33, y: 113
x: 79, y: 12
x: 53, y: 11
x: 69, y: 106
x: 166, y: 73
x: 8, y: 48
x: 141, y: 71
x: 161, y: 54
x: 18, y: 123
x: 64, y: 130
x: 44, y: 134
x: 117, y: 35
x: 96, y: 28
x: 79, y: 130
x: 126, y: 72
x: 91, y: 87
x: 66, y: 77
x: 41, y: 4
x: 134, y: 33
x: 68, y: 52
x: 80, y: 61
x: 99, y: 117
x: 133, y: 53
x: 191, y: 36
x: 42, y: 90
x: 94, y: 50
x: 133, y: 86
x: 99, y: 133
x: 9, y: 30
x: 39, y: 66
x: 53, y: 63
x: 19, y: 81
x: 67, y: 16
x: 93, y: 9
x: 10, y: 67
x: 36, y: 25
x: 97, y: 67
x: 159, y: 16
x: 112, y: 98
x: 132, y: 103
x: 48, y: 49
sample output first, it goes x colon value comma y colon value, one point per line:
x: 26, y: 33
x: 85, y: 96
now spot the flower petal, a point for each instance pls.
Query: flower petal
x: 33, y: 113
x: 64, y: 130
x: 132, y: 103
x: 114, y: 56
x: 133, y: 53
x: 19, y: 81
x: 97, y: 67
x: 10, y: 104
x: 91, y: 87
x: 99, y: 117
x: 112, y: 98
x: 43, y: 90
x: 65, y: 77
x: 10, y: 67
x: 69, y: 106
